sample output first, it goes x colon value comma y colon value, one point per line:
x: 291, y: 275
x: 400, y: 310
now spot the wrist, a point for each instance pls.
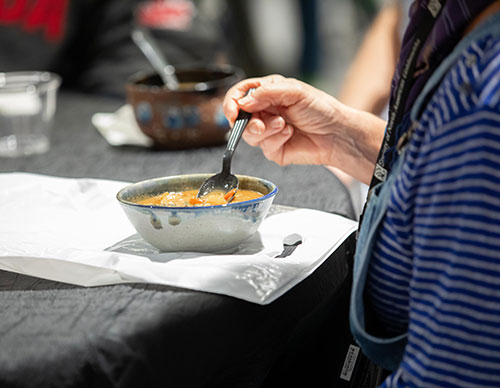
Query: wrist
x: 355, y: 142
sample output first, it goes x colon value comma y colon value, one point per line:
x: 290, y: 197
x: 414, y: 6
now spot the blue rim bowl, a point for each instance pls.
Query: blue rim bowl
x: 195, y: 229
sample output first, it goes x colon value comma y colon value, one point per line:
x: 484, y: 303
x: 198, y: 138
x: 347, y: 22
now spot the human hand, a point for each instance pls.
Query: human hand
x: 292, y: 122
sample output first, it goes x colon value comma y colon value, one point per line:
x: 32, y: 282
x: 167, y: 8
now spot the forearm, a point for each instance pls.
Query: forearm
x: 378, y: 52
x: 296, y: 123
x: 355, y: 151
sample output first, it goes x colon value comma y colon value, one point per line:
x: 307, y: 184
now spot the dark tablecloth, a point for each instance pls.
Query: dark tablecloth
x: 58, y: 335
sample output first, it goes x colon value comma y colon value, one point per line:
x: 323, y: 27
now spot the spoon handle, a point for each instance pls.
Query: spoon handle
x: 152, y: 52
x: 235, y: 136
x: 239, y: 127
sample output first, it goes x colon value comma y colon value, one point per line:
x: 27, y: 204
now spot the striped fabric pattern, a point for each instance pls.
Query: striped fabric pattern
x: 435, y: 269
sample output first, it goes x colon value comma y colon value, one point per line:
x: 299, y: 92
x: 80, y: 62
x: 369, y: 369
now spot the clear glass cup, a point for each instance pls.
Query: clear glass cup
x: 27, y: 107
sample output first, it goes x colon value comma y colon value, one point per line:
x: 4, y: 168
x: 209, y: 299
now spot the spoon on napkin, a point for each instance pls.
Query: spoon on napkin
x: 225, y: 181
x: 147, y: 44
x: 290, y: 242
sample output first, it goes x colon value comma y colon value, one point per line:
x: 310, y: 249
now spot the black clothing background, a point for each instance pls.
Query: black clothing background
x: 95, y: 52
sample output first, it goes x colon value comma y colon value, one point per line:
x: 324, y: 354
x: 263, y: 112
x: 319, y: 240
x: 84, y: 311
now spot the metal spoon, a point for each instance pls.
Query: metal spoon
x: 225, y: 181
x: 145, y: 41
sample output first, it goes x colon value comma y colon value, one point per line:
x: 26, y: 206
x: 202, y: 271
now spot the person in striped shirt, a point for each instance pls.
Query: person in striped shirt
x: 426, y: 293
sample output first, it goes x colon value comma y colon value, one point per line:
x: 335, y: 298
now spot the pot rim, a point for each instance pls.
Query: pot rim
x: 234, y: 74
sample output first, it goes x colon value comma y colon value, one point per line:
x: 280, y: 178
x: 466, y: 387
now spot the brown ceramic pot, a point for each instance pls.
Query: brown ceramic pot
x: 189, y: 117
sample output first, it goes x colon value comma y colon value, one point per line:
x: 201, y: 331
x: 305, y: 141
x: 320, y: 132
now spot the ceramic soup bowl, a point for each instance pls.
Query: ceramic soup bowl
x: 195, y: 229
x: 190, y: 117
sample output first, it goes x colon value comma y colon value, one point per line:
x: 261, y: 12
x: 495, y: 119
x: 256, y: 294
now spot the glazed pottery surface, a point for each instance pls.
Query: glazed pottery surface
x: 189, y: 117
x: 195, y: 229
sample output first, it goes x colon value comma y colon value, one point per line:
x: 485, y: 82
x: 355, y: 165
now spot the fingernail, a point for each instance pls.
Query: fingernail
x: 277, y: 123
x: 254, y: 130
x: 245, y: 100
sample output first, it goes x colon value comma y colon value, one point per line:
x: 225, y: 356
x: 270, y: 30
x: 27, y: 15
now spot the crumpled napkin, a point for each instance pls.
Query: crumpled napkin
x: 120, y: 128
x: 74, y: 231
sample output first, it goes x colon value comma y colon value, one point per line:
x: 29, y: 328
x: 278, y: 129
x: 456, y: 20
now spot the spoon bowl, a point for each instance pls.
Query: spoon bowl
x: 222, y: 181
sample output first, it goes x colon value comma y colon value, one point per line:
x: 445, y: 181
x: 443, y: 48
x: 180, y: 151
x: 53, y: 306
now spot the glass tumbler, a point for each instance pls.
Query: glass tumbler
x: 27, y: 107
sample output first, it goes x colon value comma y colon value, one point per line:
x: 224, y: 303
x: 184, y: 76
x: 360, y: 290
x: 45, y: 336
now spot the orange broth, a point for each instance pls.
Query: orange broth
x: 188, y: 198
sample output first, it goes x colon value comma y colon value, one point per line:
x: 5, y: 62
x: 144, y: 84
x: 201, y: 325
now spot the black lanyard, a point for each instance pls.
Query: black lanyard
x: 401, y: 93
x: 402, y: 90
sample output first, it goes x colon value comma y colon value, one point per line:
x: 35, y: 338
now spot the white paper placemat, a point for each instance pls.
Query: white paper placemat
x: 74, y: 231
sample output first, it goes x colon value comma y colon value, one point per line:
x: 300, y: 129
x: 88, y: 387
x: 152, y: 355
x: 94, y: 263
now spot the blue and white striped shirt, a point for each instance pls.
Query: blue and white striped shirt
x: 435, y: 268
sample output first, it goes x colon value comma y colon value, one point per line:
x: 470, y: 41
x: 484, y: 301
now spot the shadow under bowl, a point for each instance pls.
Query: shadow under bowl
x: 189, y: 117
x: 195, y: 229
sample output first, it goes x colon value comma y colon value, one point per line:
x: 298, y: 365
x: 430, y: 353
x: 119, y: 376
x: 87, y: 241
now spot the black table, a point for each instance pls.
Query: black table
x: 59, y: 335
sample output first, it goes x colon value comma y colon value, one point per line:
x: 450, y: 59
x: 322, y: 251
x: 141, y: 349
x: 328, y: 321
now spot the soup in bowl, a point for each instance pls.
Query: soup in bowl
x: 195, y: 227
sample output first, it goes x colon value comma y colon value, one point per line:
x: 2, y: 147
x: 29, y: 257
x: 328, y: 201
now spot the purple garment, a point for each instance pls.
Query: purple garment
x: 448, y: 30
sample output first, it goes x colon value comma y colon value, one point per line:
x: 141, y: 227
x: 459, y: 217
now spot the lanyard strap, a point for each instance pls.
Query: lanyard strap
x: 403, y: 87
